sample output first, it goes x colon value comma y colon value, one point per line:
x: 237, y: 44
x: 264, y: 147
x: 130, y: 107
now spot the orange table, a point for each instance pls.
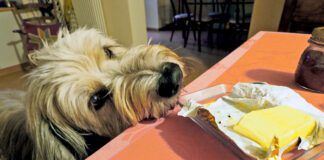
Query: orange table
x: 267, y: 57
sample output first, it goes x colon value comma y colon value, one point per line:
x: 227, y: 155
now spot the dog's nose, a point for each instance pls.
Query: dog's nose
x: 169, y: 83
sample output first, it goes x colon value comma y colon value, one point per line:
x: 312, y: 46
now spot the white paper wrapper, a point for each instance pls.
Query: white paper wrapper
x: 246, y: 97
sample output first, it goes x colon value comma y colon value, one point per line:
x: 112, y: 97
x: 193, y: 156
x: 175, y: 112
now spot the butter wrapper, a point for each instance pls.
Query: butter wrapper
x: 246, y: 97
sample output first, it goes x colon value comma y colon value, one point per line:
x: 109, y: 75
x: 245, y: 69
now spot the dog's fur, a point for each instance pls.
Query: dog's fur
x: 46, y: 121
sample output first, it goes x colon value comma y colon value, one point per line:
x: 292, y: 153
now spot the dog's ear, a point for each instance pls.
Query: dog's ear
x: 63, y: 32
x: 37, y: 57
x: 32, y: 57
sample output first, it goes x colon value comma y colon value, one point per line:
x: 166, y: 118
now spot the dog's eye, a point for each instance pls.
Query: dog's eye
x: 98, y: 99
x: 108, y: 52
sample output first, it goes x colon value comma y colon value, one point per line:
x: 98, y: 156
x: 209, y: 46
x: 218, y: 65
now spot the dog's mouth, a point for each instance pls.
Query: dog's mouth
x: 168, y: 109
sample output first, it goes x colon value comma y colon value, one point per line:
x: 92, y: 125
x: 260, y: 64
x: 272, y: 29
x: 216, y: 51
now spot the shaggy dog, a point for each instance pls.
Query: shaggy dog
x: 85, y: 90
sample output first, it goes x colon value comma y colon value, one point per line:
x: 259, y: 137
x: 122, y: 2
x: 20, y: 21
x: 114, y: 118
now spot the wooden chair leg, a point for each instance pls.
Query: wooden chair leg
x: 183, y: 30
x: 172, y: 32
x: 219, y: 34
x: 210, y: 36
x: 187, y: 32
x: 171, y: 35
x: 199, y: 39
x: 194, y: 32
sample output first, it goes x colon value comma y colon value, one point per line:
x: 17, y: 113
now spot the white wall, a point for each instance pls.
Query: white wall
x: 165, y: 12
x: 11, y: 50
x: 266, y: 16
x: 158, y: 13
x: 123, y: 20
x: 90, y: 14
x: 152, y: 14
x: 137, y: 21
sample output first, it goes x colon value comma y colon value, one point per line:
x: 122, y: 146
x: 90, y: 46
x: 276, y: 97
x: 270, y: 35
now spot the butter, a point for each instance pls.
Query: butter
x: 284, y: 122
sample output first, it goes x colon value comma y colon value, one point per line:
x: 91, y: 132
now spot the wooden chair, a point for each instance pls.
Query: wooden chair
x: 220, y: 16
x: 181, y: 19
x: 34, y: 29
x: 239, y: 25
x: 220, y: 13
x: 200, y: 22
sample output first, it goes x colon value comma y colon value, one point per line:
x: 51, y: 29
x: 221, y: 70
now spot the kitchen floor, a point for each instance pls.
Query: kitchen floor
x: 207, y: 58
x: 13, y: 80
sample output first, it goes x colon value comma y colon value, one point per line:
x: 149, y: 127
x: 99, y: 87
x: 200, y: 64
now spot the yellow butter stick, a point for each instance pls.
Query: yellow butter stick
x: 283, y: 122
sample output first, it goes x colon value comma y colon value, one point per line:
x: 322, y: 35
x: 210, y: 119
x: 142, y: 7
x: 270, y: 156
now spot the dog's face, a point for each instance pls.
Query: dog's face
x: 89, y: 82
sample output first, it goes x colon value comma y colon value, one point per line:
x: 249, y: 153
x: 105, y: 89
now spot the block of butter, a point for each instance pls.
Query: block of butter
x: 283, y: 122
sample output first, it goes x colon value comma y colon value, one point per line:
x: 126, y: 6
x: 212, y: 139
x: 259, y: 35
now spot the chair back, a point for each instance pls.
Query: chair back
x: 38, y: 32
x: 178, y: 7
x: 241, y: 16
x: 35, y: 24
x: 222, y: 6
x: 181, y: 10
x: 197, y: 9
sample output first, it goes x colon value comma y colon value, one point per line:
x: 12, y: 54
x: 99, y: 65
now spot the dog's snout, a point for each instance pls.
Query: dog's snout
x: 171, y: 77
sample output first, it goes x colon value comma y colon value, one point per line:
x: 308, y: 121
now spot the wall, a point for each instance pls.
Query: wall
x: 90, y: 14
x: 138, y: 22
x: 266, y: 15
x: 158, y: 13
x: 123, y: 20
x: 165, y: 12
x: 11, y: 50
x: 152, y: 14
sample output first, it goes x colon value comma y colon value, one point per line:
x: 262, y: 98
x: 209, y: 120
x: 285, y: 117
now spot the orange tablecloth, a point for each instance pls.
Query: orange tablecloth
x: 268, y: 57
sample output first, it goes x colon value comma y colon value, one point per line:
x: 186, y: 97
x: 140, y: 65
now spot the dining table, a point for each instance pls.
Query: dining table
x: 270, y: 57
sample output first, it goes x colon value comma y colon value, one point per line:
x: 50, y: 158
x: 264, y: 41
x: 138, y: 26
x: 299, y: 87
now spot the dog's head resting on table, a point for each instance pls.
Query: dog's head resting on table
x: 87, y: 85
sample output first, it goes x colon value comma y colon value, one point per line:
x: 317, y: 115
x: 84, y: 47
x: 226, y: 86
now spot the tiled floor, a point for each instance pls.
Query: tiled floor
x: 207, y: 57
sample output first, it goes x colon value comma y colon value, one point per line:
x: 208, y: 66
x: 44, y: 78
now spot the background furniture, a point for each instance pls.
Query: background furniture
x: 35, y: 27
x: 239, y: 24
x: 181, y: 19
x: 220, y: 19
x: 228, y: 19
x: 202, y: 21
x: 302, y: 15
